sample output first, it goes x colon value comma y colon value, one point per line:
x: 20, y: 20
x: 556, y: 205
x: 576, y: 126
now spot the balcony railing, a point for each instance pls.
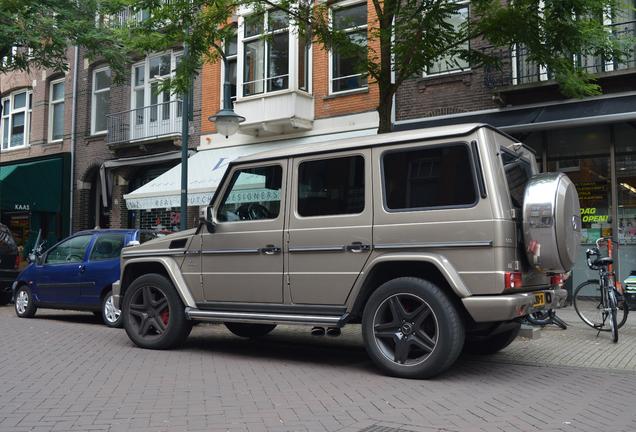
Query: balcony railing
x: 127, y: 17
x: 515, y: 67
x: 149, y: 122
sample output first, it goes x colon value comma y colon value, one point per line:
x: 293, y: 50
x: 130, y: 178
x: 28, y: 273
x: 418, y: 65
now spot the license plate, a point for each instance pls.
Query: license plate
x: 539, y: 300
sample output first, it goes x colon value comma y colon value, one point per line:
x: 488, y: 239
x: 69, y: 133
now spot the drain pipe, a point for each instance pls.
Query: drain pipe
x: 73, y: 137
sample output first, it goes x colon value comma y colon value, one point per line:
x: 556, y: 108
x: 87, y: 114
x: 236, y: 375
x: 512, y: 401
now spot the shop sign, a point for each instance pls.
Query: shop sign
x: 588, y: 214
x: 22, y: 207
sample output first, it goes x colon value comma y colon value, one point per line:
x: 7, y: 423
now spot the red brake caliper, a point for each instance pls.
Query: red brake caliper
x: 165, y: 316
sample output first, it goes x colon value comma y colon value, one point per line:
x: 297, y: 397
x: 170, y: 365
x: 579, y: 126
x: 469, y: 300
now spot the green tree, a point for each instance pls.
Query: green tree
x: 37, y: 33
x: 405, y: 38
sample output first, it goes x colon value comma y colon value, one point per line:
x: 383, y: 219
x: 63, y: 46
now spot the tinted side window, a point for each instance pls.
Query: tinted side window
x: 254, y: 194
x: 433, y: 177
x: 69, y: 251
x: 107, y: 246
x: 518, y: 172
x: 331, y: 186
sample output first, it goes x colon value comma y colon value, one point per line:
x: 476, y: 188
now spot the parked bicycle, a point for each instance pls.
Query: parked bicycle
x: 597, y: 301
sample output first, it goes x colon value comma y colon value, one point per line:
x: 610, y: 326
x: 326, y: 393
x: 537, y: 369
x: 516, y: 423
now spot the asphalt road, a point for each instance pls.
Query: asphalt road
x: 64, y: 371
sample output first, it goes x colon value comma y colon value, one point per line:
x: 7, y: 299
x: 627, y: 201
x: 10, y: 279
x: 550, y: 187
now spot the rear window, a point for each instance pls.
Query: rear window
x: 518, y: 172
x: 428, y: 178
x: 107, y: 246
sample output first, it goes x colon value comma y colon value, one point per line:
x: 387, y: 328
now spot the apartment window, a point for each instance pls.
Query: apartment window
x: 450, y: 63
x: 346, y: 66
x: 15, y: 124
x: 266, y: 53
x: 56, y: 110
x: 101, y: 100
x: 148, y: 103
x: 231, y: 52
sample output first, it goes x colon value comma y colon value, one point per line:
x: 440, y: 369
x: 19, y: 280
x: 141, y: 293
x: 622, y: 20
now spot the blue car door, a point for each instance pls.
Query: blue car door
x: 58, y: 278
x: 102, y: 267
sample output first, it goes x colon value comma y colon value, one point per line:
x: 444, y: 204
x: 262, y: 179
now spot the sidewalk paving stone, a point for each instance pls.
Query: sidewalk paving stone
x: 76, y: 374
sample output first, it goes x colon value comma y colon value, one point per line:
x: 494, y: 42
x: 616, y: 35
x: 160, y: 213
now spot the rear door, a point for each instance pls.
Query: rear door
x: 58, y: 278
x: 330, y: 225
x: 101, y: 268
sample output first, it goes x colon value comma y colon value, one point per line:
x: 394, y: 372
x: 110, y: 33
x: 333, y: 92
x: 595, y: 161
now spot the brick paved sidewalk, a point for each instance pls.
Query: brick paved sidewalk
x: 63, y: 371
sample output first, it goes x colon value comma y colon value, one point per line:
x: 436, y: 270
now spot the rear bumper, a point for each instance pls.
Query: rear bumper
x: 116, y: 291
x: 511, y: 306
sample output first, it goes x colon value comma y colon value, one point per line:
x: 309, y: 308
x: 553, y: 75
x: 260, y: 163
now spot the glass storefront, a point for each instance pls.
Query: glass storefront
x: 625, y: 135
x: 585, y: 155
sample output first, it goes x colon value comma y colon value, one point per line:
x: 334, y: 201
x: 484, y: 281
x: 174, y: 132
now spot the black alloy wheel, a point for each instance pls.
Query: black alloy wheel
x: 405, y: 329
x: 411, y: 328
x: 154, y: 316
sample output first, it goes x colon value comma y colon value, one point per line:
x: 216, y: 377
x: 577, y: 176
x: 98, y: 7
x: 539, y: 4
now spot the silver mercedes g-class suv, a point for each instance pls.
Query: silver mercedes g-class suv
x: 435, y: 241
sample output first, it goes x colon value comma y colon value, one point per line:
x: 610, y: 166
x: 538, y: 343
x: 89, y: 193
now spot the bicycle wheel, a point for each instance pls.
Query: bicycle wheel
x: 588, y: 304
x: 613, y: 309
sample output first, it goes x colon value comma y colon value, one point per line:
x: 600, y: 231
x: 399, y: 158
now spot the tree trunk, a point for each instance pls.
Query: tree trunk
x: 384, y: 113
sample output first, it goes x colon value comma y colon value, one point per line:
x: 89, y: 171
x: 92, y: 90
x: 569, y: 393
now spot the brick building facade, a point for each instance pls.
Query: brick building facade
x: 35, y: 156
x: 289, y: 93
x: 141, y: 140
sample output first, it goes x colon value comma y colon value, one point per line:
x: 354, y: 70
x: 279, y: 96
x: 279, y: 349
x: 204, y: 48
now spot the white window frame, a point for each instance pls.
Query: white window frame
x: 7, y: 119
x: 340, y: 5
x: 148, y: 80
x: 292, y: 81
x: 234, y: 57
x: 52, y: 103
x: 94, y: 101
x: 426, y: 74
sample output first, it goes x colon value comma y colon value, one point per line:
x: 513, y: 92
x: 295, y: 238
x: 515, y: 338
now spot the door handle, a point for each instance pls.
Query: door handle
x: 358, y: 247
x: 82, y: 268
x: 270, y: 250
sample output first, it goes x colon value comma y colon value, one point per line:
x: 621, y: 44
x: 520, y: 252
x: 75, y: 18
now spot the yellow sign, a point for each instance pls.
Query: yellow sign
x: 588, y: 214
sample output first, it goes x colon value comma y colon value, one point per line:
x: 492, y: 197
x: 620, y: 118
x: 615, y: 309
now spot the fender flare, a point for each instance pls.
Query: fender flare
x: 173, y: 271
x: 440, y: 262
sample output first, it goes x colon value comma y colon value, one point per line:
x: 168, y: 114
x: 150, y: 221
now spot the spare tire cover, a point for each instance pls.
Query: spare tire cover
x: 551, y: 222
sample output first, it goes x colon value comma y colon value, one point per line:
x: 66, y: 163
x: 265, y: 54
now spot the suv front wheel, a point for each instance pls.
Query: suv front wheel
x: 411, y: 328
x: 154, y: 316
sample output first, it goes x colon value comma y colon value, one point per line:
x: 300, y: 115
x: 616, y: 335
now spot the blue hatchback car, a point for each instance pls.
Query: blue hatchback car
x: 77, y: 273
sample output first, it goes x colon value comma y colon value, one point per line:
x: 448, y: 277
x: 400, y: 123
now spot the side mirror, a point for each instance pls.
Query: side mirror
x: 133, y: 243
x: 209, y: 226
x: 31, y: 258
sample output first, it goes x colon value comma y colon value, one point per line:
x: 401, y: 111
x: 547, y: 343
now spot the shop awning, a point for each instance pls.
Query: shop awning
x: 562, y: 114
x: 205, y: 170
x: 32, y: 186
x: 152, y: 159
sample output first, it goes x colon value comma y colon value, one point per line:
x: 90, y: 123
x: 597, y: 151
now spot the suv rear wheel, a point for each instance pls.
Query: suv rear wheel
x: 154, y: 316
x: 411, y: 329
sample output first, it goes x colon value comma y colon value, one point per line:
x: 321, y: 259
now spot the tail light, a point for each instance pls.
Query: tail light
x: 557, y: 280
x: 512, y: 280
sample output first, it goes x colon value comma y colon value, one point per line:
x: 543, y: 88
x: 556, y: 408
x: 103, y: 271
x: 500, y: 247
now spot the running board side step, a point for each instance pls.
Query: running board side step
x: 266, y: 318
